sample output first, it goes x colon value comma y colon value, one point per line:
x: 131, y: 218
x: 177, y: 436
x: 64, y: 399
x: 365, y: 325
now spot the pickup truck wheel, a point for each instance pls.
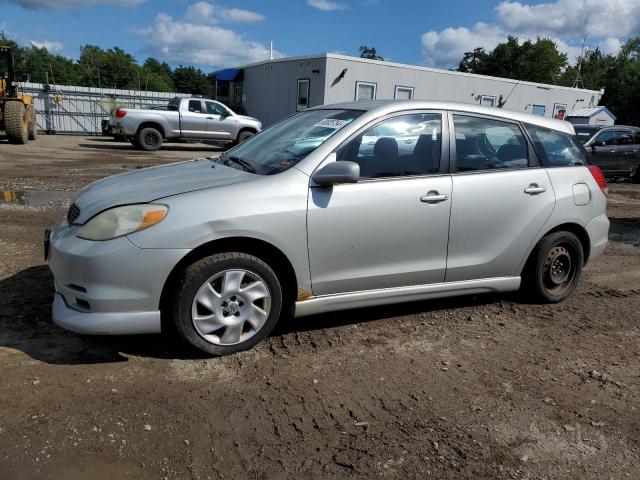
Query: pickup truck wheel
x: 149, y: 139
x: 554, y: 268
x: 635, y: 176
x: 226, y: 303
x: 245, y: 135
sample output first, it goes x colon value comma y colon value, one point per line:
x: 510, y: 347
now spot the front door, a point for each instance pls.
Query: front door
x: 391, y: 228
x: 220, y: 124
x: 604, y: 153
x: 628, y: 150
x: 500, y: 199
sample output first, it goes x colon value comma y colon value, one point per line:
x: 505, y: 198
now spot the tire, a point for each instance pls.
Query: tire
x: 554, y: 268
x: 33, y: 125
x: 635, y: 177
x: 244, y: 135
x: 16, y: 122
x: 149, y: 139
x: 226, y: 303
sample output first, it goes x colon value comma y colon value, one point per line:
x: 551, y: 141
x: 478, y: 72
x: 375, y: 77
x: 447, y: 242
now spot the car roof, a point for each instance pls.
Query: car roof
x: 383, y: 107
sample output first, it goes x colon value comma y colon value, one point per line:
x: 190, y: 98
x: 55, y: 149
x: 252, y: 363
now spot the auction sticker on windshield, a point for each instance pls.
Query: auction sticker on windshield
x: 333, y: 123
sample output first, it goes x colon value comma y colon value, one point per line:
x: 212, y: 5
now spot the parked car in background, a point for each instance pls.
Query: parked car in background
x: 487, y: 200
x: 616, y: 150
x: 585, y: 132
x: 185, y: 118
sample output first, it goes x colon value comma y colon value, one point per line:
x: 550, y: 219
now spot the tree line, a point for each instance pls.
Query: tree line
x: 541, y: 61
x: 534, y: 61
x: 110, y: 68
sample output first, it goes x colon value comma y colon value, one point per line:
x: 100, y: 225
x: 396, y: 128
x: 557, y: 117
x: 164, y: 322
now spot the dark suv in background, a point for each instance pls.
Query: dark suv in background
x: 616, y: 150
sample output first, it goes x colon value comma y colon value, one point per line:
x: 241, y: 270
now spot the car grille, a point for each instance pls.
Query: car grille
x: 73, y: 214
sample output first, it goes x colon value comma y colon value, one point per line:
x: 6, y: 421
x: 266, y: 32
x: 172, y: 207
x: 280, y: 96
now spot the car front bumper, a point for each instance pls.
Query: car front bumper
x: 110, y: 287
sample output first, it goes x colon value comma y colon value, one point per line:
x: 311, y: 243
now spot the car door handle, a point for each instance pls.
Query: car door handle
x: 534, y: 189
x: 209, y: 118
x: 433, y: 197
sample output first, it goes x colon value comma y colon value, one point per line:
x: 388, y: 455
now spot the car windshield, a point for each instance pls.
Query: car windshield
x: 286, y: 143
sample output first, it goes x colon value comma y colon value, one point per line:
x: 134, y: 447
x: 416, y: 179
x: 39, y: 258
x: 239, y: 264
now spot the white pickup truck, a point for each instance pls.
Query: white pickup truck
x: 185, y: 118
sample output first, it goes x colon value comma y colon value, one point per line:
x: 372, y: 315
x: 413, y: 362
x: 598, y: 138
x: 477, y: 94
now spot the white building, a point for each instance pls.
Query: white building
x: 273, y: 89
x: 600, y: 116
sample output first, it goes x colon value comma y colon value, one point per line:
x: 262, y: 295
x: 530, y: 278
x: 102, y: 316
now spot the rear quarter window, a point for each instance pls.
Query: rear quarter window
x: 557, y: 149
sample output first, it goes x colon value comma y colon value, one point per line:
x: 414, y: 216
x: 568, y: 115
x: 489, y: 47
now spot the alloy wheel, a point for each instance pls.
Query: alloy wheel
x: 231, y: 307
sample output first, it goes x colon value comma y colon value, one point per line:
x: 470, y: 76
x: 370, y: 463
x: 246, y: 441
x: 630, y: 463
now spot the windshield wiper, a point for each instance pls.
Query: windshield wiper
x: 243, y: 163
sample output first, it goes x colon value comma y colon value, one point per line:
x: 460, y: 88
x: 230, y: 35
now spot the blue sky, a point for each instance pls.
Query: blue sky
x: 212, y: 34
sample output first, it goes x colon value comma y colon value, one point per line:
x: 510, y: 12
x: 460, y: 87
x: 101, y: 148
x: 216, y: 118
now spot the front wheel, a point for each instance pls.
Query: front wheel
x: 226, y: 303
x: 554, y: 268
x: 244, y: 135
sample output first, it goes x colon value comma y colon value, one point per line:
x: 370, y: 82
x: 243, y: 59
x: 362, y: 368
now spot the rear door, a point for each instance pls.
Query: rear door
x: 628, y: 150
x: 193, y: 121
x: 501, y: 198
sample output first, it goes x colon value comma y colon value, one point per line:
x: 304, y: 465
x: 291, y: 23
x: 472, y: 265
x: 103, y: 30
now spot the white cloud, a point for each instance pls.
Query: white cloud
x: 446, y: 48
x: 64, y: 4
x: 610, y: 46
x: 595, y: 18
x: 208, y: 13
x: 186, y: 42
x: 606, y: 24
x: 326, y: 5
x: 51, y: 46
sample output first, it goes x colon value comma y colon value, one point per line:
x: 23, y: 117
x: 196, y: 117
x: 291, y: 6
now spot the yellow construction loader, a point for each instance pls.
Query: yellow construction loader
x: 17, y: 112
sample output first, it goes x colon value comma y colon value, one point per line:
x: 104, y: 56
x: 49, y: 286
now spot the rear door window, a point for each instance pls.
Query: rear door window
x: 557, y: 149
x: 488, y: 144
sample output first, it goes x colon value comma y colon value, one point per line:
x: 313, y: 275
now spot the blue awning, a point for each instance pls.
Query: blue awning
x: 228, y: 75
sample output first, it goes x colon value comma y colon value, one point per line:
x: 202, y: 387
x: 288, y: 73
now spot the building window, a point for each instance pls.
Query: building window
x: 559, y: 110
x: 539, y: 110
x: 303, y: 94
x: 403, y: 93
x: 488, y: 101
x: 366, y: 91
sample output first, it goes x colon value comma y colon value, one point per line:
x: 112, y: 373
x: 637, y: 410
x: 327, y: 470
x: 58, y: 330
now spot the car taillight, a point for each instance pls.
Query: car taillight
x: 120, y: 113
x: 598, y: 176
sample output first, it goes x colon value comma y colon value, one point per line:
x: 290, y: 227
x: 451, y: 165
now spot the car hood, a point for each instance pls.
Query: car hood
x: 150, y: 184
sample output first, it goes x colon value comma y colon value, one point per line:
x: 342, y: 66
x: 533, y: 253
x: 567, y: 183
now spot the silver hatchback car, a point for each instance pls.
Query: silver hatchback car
x: 337, y: 207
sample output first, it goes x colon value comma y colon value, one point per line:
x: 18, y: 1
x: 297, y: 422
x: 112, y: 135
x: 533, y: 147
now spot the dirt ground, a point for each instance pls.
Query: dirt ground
x: 474, y: 387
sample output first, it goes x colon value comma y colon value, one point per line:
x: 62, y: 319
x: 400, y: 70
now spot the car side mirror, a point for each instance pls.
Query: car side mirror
x: 337, y: 172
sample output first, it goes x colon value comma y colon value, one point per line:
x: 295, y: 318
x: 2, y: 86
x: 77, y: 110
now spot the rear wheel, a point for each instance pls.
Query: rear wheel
x: 635, y: 176
x: 554, y: 268
x: 33, y: 126
x: 149, y: 139
x: 16, y: 121
x: 226, y: 303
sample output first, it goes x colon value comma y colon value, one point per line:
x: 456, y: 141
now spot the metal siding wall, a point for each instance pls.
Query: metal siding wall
x: 72, y: 109
x: 429, y: 85
x: 271, y: 88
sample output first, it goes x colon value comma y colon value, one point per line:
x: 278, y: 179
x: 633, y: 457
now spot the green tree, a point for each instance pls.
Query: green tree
x: 191, y: 80
x: 538, y: 61
x: 38, y: 65
x: 156, y: 76
x: 369, y: 52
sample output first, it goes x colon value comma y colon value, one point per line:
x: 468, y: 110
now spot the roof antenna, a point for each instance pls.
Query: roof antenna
x: 579, y: 83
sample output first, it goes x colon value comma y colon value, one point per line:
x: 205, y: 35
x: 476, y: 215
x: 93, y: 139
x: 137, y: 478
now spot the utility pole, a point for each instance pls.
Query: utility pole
x: 578, y: 83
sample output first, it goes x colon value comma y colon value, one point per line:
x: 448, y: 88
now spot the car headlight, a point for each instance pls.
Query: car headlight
x: 120, y: 221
